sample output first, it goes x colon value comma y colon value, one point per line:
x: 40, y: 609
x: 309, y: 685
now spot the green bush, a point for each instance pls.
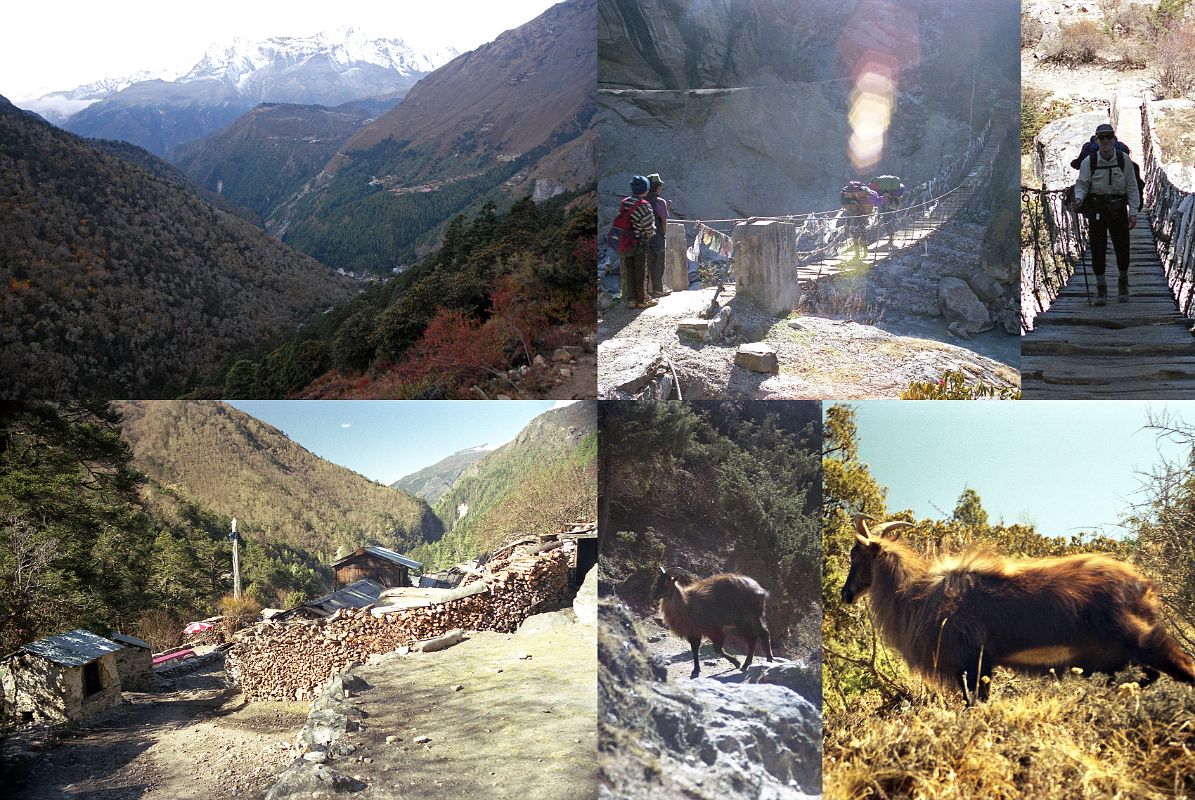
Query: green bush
x: 953, y: 386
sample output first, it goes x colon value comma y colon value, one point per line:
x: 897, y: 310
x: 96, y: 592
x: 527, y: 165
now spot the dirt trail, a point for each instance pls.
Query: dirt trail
x: 195, y: 742
x: 516, y: 728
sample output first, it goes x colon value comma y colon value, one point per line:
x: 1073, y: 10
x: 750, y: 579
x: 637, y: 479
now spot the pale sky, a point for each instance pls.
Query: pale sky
x: 1068, y: 466
x: 52, y: 46
x: 385, y: 440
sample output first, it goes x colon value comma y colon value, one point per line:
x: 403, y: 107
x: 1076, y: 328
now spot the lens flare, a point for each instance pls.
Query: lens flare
x: 870, y: 114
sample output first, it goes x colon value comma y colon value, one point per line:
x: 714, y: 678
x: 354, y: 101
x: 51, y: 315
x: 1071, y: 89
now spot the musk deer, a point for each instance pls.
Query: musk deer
x: 955, y: 619
x: 711, y: 607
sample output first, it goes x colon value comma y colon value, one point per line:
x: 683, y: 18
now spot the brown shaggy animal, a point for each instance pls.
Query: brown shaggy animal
x: 957, y: 618
x: 710, y: 608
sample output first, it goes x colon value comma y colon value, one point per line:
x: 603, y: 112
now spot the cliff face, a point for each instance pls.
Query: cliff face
x: 743, y: 107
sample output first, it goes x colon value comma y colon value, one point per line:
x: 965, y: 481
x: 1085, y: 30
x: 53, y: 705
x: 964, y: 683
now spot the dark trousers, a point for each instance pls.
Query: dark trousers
x: 1114, y: 223
x: 656, y: 267
x: 634, y: 266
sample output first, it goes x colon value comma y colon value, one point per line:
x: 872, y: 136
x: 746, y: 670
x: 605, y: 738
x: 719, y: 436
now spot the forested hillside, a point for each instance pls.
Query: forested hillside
x: 501, y: 288
x: 266, y: 155
x: 1060, y: 736
x: 545, y: 478
x: 87, y: 541
x: 119, y: 284
x: 430, y: 483
x: 210, y: 454
x: 505, y: 120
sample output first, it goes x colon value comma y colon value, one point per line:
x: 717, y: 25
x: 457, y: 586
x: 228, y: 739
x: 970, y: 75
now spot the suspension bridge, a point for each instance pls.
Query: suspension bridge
x: 826, y: 239
x: 1141, y: 348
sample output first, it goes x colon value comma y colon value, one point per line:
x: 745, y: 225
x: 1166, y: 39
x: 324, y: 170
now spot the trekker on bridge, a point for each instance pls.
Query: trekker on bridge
x: 1106, y: 192
x: 891, y: 192
x: 658, y: 245
x: 858, y: 201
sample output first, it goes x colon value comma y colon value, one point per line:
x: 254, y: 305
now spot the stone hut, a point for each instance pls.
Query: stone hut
x: 134, y: 663
x: 378, y: 564
x: 70, y: 676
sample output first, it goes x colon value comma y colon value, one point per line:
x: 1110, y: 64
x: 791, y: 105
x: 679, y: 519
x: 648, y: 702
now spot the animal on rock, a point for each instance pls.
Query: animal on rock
x: 955, y: 619
x: 712, y: 607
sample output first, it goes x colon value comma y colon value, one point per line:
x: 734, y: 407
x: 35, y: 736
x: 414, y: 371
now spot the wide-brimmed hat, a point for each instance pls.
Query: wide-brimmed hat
x: 654, y: 179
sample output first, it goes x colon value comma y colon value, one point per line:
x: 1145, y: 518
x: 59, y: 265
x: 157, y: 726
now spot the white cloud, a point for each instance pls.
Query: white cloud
x: 346, y: 424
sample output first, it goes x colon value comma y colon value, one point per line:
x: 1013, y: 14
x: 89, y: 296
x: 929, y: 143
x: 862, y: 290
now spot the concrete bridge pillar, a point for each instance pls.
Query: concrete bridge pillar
x: 676, y: 263
x: 765, y: 264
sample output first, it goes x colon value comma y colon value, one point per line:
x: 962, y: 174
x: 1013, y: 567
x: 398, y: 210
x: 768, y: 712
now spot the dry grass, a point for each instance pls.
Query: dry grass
x: 1037, y: 737
x: 1081, y: 42
x: 1176, y: 135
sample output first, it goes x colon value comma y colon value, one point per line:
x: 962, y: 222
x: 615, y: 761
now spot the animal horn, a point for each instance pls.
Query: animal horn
x: 888, y: 526
x: 861, y: 532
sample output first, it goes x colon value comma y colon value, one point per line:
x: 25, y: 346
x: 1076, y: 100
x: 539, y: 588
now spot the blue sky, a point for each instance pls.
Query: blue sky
x: 1066, y: 466
x: 387, y: 439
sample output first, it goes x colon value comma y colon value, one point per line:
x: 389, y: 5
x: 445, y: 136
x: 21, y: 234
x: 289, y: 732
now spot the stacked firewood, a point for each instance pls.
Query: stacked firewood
x: 287, y: 661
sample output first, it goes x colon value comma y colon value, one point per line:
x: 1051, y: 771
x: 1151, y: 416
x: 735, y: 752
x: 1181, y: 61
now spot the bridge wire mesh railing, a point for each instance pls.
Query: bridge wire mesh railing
x: 1053, y: 243
x: 1172, y: 219
x: 824, y: 234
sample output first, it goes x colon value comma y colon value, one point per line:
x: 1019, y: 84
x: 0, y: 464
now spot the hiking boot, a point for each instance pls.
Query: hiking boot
x: 1122, y: 290
x: 662, y: 293
x: 1101, y: 292
x: 648, y: 303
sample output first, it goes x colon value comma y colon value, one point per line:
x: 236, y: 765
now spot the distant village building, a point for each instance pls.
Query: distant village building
x: 134, y: 663
x: 70, y: 676
x: 378, y: 564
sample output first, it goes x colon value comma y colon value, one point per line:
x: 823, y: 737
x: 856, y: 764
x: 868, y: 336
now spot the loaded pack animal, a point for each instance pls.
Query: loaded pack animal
x: 712, y: 607
x: 955, y: 619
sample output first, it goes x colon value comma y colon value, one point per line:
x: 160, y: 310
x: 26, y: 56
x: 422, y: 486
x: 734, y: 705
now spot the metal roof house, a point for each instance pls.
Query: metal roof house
x: 359, y: 594
x: 134, y: 663
x: 65, y: 677
x: 378, y: 564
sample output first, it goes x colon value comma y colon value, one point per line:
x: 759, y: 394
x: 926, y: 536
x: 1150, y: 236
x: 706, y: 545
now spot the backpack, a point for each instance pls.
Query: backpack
x: 1091, y: 146
x: 885, y: 184
x: 856, y: 198
x: 622, y: 238
x: 1120, y: 163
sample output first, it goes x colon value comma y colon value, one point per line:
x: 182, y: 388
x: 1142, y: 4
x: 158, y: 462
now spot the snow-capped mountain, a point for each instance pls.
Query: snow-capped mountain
x: 239, y: 60
x: 325, y: 69
x: 57, y: 106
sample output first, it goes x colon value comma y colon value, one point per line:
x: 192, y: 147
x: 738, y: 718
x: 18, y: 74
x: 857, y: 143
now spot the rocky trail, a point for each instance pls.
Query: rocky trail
x: 193, y: 741
x: 724, y: 734
x: 818, y: 357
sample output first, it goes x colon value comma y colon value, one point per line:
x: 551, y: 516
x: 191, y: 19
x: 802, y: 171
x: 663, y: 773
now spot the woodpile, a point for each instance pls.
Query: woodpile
x: 288, y: 661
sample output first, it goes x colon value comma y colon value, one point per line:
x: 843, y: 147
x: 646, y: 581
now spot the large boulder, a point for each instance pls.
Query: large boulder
x: 964, y: 312
x: 757, y: 357
x: 308, y: 779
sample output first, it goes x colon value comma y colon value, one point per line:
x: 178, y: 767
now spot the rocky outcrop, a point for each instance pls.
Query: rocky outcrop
x: 701, y: 738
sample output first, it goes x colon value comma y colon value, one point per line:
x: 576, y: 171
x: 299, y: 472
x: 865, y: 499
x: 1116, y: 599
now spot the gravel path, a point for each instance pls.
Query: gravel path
x: 196, y: 742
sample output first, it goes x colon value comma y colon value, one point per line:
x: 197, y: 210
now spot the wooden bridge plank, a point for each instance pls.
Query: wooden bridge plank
x: 1139, y: 349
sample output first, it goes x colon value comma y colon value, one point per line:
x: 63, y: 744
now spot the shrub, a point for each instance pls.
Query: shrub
x: 1032, y: 30
x: 1078, y: 43
x: 1036, y: 113
x: 953, y: 386
x: 160, y: 628
x: 239, y: 613
x: 1174, y: 59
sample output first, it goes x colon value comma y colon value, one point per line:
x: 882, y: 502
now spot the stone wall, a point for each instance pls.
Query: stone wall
x: 32, y: 684
x: 136, y: 669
